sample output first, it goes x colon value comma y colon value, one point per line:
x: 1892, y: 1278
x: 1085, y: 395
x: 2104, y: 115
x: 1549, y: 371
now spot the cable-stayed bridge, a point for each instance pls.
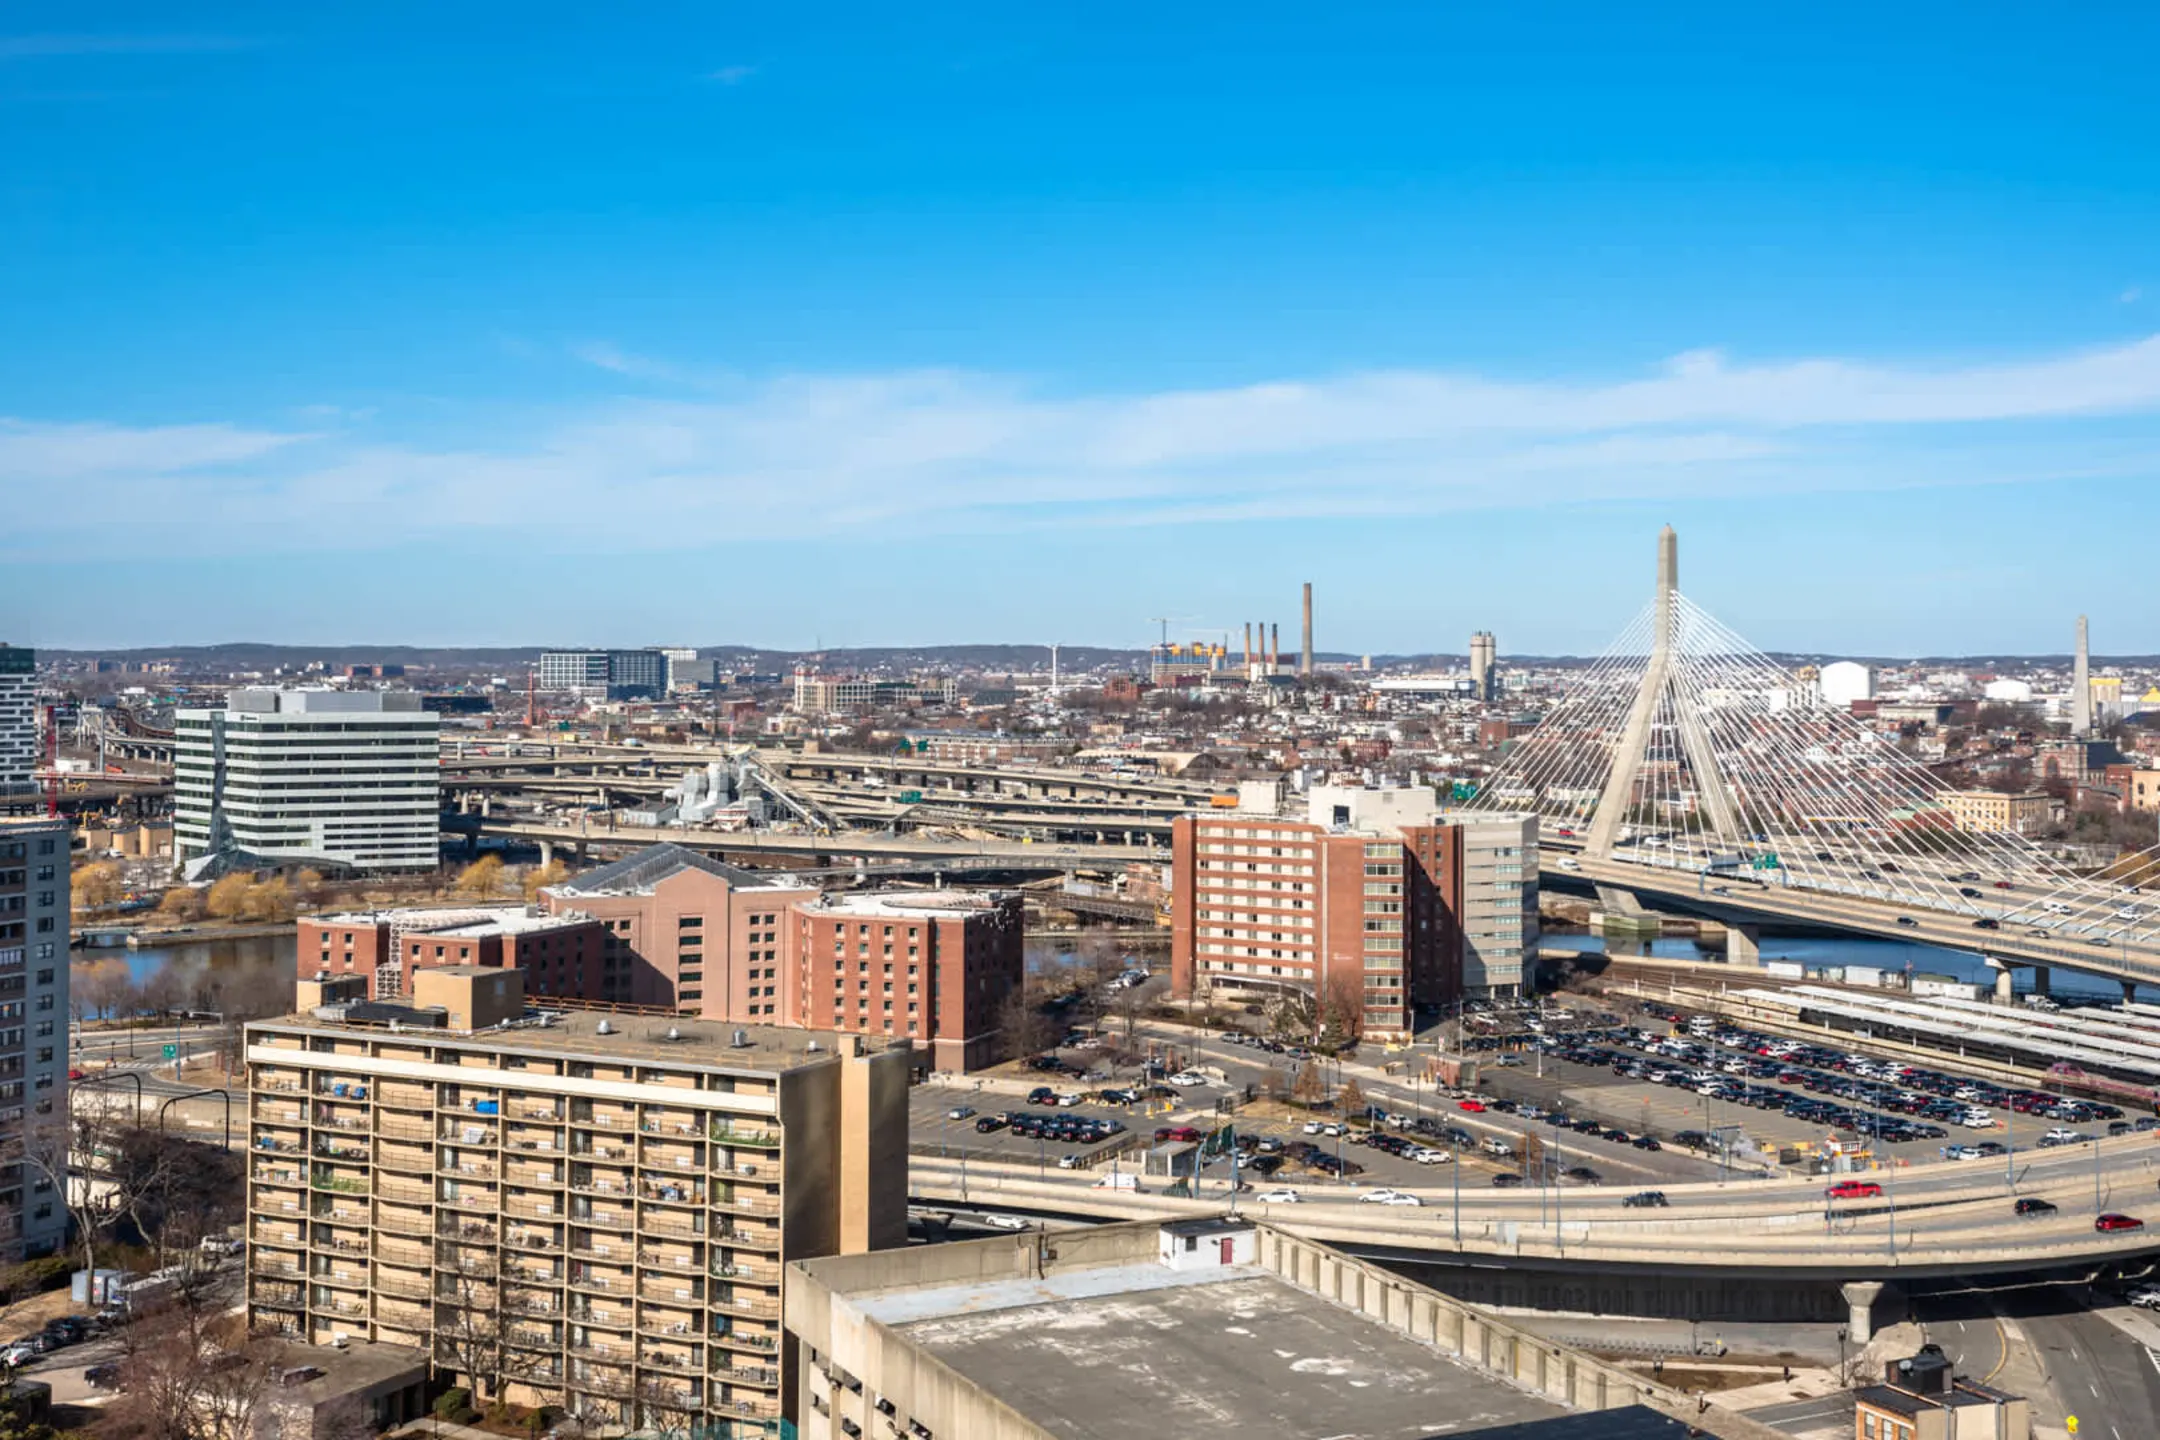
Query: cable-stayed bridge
x: 1687, y: 766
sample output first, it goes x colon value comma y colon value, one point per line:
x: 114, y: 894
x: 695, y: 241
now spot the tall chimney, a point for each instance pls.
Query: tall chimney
x: 2081, y: 686
x: 1305, y: 655
x: 1274, y: 648
x: 1248, y: 647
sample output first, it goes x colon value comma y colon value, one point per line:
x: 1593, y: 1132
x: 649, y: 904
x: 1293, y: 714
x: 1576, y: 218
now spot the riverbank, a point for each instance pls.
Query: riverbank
x: 141, y: 937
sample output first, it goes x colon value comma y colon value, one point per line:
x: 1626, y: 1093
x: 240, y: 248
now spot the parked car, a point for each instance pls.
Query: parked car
x: 105, y: 1376
x: 960, y: 1112
x: 1475, y: 1107
x: 988, y: 1123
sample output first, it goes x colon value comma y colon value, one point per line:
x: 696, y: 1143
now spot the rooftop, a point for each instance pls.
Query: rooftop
x: 638, y: 874
x: 467, y: 920
x: 906, y: 902
x: 1113, y: 1351
x: 577, y: 1033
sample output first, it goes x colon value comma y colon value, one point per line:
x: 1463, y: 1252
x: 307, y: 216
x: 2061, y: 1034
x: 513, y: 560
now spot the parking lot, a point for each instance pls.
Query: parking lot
x: 1639, y: 1079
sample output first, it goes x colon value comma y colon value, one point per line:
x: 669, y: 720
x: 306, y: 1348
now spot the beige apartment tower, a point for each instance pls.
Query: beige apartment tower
x: 563, y: 1207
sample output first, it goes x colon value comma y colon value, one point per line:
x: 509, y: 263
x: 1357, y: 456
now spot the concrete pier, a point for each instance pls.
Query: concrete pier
x: 1860, y: 1298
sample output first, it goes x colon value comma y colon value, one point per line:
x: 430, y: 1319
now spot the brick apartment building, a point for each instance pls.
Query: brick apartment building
x: 559, y: 954
x: 1368, y: 898
x: 933, y: 966
x: 686, y: 932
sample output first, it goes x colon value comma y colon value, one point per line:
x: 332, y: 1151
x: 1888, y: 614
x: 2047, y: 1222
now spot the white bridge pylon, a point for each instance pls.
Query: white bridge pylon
x: 1684, y: 747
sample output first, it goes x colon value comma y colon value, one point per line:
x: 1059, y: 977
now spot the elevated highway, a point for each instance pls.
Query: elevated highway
x: 1934, y: 1220
x: 818, y: 850
x: 1743, y: 902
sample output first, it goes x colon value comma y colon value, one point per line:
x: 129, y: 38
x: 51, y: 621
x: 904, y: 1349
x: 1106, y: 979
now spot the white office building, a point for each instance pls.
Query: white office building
x: 18, y: 726
x: 1844, y: 681
x: 309, y: 777
x: 1498, y: 908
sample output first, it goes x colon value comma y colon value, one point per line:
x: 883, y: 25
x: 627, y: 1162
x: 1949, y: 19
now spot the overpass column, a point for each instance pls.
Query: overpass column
x: 2004, y: 991
x: 2040, y: 979
x: 2129, y: 992
x: 1743, y: 945
x: 547, y: 853
x: 1860, y: 1298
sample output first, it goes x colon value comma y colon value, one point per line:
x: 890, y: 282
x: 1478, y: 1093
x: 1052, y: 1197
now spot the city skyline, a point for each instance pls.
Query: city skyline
x: 1438, y: 313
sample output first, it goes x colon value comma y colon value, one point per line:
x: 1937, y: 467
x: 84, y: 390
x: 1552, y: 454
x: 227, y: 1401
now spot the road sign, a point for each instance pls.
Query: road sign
x: 172, y: 1052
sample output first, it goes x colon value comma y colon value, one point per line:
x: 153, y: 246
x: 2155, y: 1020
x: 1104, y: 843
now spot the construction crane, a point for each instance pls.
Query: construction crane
x: 1164, y: 621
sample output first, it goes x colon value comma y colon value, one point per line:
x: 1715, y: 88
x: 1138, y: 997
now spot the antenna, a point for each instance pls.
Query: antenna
x: 1164, y: 621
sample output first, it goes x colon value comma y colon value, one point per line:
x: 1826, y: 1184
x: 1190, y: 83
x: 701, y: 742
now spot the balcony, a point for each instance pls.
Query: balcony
x: 285, y: 1297
x: 748, y: 1239
x: 534, y: 1306
x: 338, y: 1244
x: 529, y: 1339
x: 411, y: 1192
x: 532, y: 1240
x: 616, y: 1248
x: 397, y: 1224
x: 674, y: 1264
x: 478, y: 1202
x: 342, y: 1184
x: 734, y: 1372
x: 604, y: 1122
x: 407, y: 1162
x: 405, y: 1097
x: 763, y: 1307
x: 754, y: 1139
x: 274, y: 1265
x: 412, y: 1287
x: 676, y: 1227
x: 342, y: 1214
x: 275, y: 1202
x: 341, y: 1149
x: 601, y: 1284
x: 397, y: 1127
x: 653, y: 1194
x: 595, y: 1185
x: 467, y: 1170
x: 682, y: 1329
x: 760, y: 1342
x: 601, y: 1382
x: 752, y: 1203
x: 339, y: 1305
x: 479, y: 1137
x: 465, y: 1230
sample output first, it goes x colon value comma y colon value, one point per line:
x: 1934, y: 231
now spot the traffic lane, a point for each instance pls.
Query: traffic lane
x: 2095, y: 1371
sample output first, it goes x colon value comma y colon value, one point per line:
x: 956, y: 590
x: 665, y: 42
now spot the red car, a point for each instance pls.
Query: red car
x: 2113, y: 1221
x: 1475, y: 1107
x: 1853, y: 1190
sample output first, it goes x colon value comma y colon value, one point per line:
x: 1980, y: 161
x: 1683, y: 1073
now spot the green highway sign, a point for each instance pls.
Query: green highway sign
x: 172, y: 1052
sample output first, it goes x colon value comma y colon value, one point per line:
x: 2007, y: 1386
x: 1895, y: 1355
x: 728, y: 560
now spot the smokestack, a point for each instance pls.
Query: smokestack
x: 1274, y: 648
x: 1305, y: 655
x: 2081, y: 686
x: 1248, y: 647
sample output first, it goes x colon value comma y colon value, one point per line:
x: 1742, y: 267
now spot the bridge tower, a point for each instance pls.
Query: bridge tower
x: 1659, y: 693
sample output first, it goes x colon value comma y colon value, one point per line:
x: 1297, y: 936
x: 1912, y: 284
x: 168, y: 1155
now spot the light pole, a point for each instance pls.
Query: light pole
x: 1552, y: 1162
x: 1455, y: 1174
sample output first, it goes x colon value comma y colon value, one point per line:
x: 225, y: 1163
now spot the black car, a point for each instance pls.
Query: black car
x: 1987, y: 922
x: 989, y: 1123
x: 1645, y: 1142
x: 1646, y: 1200
x: 2033, y: 1205
x: 1906, y: 920
x: 1582, y: 1175
x: 105, y: 1376
x: 1506, y: 1180
x: 66, y: 1330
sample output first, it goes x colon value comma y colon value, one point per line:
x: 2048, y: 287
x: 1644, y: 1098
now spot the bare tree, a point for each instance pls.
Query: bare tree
x: 1026, y: 1029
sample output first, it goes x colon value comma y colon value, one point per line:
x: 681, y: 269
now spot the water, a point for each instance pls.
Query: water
x: 208, y: 969
x: 1890, y: 956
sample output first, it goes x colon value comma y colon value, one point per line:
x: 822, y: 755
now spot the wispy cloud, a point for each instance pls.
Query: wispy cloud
x: 731, y: 74
x: 701, y: 457
x: 2132, y: 295
x: 29, y: 47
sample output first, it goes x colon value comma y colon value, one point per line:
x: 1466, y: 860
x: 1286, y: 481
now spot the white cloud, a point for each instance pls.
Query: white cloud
x: 732, y: 74
x: 931, y: 451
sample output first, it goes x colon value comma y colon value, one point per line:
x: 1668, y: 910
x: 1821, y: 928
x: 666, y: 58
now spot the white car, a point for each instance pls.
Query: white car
x: 1431, y: 1157
x: 1281, y: 1197
x: 1005, y: 1222
x: 1070, y: 1162
x: 21, y: 1353
x: 2145, y: 1297
x: 960, y: 1112
x: 1961, y: 1152
x: 2063, y: 1135
x: 1388, y: 1197
x: 1569, y: 863
x: 1312, y: 1127
x: 1188, y: 1078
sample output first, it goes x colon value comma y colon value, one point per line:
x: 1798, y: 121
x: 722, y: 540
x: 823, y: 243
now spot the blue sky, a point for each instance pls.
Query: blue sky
x: 794, y: 325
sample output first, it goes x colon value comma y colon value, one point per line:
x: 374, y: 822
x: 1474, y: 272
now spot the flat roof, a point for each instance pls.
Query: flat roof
x: 707, y: 1043
x: 920, y: 903
x: 1217, y: 1354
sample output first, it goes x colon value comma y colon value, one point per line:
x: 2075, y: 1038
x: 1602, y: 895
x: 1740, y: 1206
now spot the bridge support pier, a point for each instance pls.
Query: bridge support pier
x: 2040, y: 979
x: 547, y: 853
x: 1743, y: 945
x: 2004, y: 992
x: 2129, y: 992
x: 1860, y: 1298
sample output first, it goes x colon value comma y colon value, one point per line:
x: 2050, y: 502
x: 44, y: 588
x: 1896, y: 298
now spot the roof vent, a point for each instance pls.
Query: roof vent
x: 603, y: 1028
x: 741, y: 1040
x: 813, y: 1047
x: 674, y: 1032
